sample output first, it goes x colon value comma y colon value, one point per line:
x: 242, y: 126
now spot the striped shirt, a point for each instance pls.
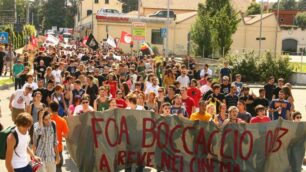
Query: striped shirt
x: 46, y: 143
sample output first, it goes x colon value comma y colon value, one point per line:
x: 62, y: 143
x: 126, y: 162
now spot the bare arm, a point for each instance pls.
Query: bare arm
x: 9, y: 152
x: 11, y: 100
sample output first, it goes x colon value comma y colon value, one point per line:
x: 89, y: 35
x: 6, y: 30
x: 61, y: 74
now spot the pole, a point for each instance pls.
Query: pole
x: 92, y: 17
x: 276, y: 29
x: 32, y: 18
x: 260, y: 32
x: 167, y: 32
x: 203, y: 52
x: 28, y: 12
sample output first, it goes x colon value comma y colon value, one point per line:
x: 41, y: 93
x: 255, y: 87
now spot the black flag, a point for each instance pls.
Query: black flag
x: 92, y: 43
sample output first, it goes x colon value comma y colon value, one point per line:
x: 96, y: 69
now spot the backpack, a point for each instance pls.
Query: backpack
x: 54, y: 129
x: 3, y: 137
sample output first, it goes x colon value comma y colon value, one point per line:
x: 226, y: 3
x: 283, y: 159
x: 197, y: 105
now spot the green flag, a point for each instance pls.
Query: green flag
x: 92, y: 43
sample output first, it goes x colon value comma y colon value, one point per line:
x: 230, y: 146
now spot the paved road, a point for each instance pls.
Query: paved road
x: 69, y: 165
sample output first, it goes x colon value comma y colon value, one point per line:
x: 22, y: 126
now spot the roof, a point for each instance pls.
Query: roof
x: 251, y: 19
x: 174, y: 4
x: 184, y: 16
x: 239, y: 5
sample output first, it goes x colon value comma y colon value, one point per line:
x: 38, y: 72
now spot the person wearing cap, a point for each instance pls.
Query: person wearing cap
x: 20, y: 101
x: 17, y: 69
x: 261, y: 115
x: 30, y: 82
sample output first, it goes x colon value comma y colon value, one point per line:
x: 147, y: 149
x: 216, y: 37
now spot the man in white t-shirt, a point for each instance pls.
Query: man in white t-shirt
x: 20, y: 101
x: 57, y: 73
x: 183, y: 79
x: 153, y: 87
x: 206, y: 70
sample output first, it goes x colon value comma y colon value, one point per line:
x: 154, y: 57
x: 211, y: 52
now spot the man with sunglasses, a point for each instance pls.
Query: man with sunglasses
x: 84, y: 106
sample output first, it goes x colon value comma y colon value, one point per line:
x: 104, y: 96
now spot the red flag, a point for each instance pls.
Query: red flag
x: 126, y: 38
x: 34, y: 41
x: 85, y: 40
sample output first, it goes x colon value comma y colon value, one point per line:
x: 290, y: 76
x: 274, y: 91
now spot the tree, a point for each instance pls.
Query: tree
x: 300, y: 19
x: 286, y: 5
x: 215, y: 24
x: 254, y: 8
x: 54, y: 13
x: 302, y: 5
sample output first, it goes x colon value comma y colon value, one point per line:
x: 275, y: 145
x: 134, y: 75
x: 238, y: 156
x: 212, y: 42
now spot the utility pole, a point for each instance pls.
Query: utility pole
x: 276, y: 28
x: 167, y: 31
x: 260, y: 32
x: 92, y: 17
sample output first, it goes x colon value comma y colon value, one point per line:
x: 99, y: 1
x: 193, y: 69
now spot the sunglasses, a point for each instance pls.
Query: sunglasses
x: 298, y: 117
x: 160, y: 91
x: 85, y: 102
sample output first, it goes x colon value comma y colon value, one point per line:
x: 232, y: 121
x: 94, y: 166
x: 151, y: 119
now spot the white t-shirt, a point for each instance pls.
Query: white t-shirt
x: 204, y: 89
x: 21, y: 100
x: 33, y: 85
x: 57, y: 75
x: 152, y: 88
x: 79, y: 108
x: 138, y: 107
x: 184, y: 80
x: 209, y: 72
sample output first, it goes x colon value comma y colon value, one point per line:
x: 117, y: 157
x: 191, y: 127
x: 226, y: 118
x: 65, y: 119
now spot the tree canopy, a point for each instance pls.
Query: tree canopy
x: 254, y: 8
x: 300, y: 19
x: 215, y: 24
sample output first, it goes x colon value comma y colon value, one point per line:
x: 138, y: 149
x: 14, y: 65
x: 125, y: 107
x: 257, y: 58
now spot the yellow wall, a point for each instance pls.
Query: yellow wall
x: 246, y: 34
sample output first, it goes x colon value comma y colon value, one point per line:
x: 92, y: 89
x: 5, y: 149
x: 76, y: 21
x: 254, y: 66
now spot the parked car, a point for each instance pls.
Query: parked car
x: 163, y: 14
x: 106, y: 11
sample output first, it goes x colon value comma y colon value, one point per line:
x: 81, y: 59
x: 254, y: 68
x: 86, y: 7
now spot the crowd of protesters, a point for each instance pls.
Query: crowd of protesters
x: 71, y: 81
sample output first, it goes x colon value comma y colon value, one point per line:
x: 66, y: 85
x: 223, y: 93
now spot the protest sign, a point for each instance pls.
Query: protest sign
x: 116, y: 139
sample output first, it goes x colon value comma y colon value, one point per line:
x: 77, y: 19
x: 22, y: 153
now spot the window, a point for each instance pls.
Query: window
x: 89, y: 12
x: 156, y: 37
x: 106, y: 1
x: 96, y: 1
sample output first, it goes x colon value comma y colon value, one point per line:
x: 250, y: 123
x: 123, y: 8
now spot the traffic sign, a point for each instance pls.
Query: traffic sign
x: 139, y: 31
x: 4, y: 39
x: 163, y: 32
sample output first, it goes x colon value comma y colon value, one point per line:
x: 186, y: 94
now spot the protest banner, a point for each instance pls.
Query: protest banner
x: 116, y: 139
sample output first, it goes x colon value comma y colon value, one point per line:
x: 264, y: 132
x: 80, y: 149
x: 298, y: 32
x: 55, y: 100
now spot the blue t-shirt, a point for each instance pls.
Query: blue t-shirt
x: 178, y: 110
x: 276, y: 103
x: 225, y: 72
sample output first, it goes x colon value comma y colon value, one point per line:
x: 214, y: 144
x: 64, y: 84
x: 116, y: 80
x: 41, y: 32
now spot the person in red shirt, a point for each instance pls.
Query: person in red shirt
x: 187, y: 101
x: 194, y: 92
x: 120, y: 101
x: 61, y: 130
x: 261, y: 115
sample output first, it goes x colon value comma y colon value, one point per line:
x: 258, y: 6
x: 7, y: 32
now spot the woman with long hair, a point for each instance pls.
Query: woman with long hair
x: 288, y: 96
x: 169, y: 78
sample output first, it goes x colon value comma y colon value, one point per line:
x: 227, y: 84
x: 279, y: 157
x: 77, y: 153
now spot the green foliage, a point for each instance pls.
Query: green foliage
x: 57, y: 13
x: 254, y: 8
x: 286, y: 5
x: 29, y: 30
x: 300, y: 19
x: 254, y: 68
x: 215, y: 24
x: 302, y: 5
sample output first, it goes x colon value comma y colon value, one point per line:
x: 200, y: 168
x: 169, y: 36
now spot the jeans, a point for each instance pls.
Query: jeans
x: 59, y: 165
x: 27, y: 168
x: 18, y: 83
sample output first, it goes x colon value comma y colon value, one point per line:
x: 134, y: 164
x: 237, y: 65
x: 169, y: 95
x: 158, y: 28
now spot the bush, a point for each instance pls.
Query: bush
x: 257, y: 69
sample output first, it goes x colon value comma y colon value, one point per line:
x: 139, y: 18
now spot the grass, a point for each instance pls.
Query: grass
x: 298, y: 67
x: 6, y: 81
